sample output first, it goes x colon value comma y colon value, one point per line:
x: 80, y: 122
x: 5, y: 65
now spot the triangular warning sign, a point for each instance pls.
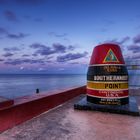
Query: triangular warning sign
x: 110, y: 57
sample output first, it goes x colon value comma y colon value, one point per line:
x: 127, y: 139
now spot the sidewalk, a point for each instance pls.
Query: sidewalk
x: 65, y: 123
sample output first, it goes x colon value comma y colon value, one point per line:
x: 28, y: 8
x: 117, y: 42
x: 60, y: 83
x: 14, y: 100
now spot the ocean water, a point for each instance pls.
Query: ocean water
x: 134, y: 80
x: 13, y: 86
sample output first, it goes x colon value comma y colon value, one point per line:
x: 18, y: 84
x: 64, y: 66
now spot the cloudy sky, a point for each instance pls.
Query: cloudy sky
x: 58, y: 36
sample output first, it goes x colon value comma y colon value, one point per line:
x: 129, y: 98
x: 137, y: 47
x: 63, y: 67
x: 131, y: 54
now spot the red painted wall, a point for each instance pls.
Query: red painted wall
x: 5, y: 103
x: 28, y: 107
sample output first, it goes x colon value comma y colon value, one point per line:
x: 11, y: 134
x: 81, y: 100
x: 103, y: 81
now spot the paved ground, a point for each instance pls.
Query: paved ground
x: 65, y: 123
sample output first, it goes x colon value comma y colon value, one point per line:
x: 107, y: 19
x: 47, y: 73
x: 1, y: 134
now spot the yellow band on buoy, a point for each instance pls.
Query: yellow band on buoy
x: 107, y: 85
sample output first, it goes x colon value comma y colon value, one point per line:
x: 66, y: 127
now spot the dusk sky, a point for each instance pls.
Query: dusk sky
x: 58, y: 36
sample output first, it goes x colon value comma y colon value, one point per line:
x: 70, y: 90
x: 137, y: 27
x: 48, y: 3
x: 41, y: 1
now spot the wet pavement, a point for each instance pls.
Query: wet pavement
x: 65, y: 123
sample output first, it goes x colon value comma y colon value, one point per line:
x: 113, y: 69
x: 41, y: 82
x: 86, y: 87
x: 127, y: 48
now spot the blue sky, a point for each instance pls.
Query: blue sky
x: 58, y: 36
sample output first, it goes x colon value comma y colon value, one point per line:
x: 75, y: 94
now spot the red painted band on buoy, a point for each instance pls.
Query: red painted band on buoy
x: 101, y: 53
x: 103, y: 93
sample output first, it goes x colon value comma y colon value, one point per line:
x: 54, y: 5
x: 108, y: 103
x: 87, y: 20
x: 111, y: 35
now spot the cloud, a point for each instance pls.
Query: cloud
x: 34, y: 54
x: 13, y: 62
x: 61, y: 69
x: 11, y: 49
x: 134, y: 48
x: 136, y: 56
x: 42, y: 49
x: 59, y: 48
x: 124, y: 40
x: 62, y: 48
x: 46, y: 50
x: 1, y: 60
x: 110, y: 41
x: 11, y: 16
x: 57, y: 35
x: 70, y: 47
x: 37, y: 46
x: 71, y: 56
x: 41, y: 69
x: 17, y: 36
x: 20, y: 35
x: 8, y: 54
x: 136, y: 39
x: 21, y: 68
x: 3, y: 31
x: 25, y: 55
x: 119, y: 42
x: 22, y: 61
x: 133, y: 58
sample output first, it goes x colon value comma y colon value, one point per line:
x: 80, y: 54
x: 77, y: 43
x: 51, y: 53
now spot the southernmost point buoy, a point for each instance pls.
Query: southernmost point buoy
x: 107, y: 77
x: 107, y: 83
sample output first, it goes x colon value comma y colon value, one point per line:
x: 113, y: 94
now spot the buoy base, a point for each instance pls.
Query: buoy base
x: 128, y: 109
x: 122, y: 101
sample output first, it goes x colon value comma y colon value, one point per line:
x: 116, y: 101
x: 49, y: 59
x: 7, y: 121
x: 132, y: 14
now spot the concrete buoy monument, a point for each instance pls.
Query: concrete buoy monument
x: 107, y: 83
x: 107, y: 77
